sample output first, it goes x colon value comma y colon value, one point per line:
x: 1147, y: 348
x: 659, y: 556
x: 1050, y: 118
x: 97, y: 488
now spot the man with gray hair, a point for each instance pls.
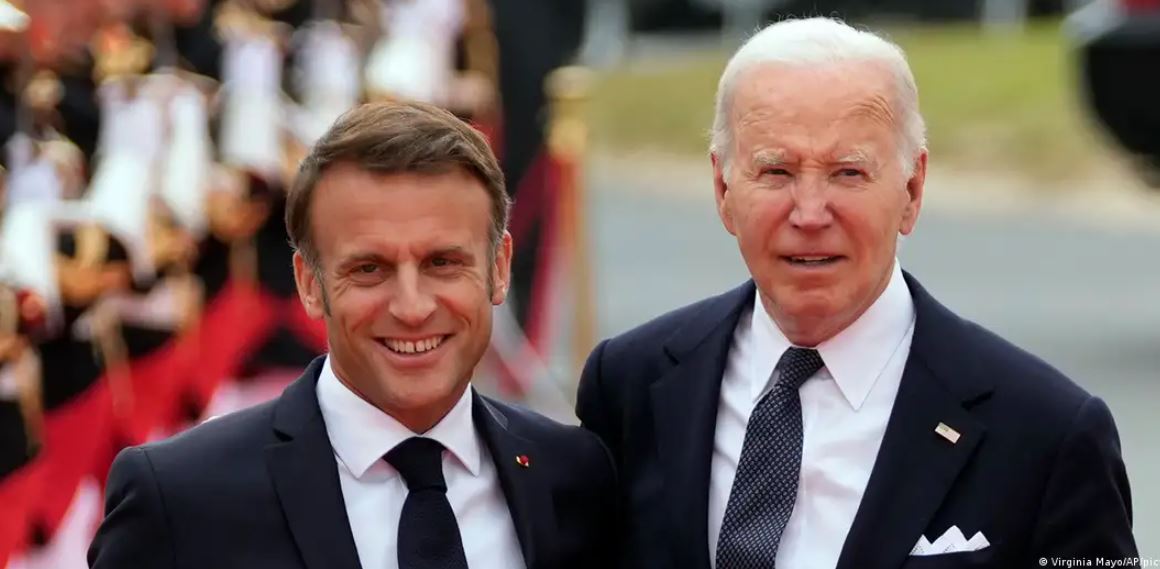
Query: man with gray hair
x: 830, y: 412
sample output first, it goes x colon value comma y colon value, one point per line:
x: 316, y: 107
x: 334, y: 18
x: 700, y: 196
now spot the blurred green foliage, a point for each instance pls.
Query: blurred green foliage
x: 992, y: 102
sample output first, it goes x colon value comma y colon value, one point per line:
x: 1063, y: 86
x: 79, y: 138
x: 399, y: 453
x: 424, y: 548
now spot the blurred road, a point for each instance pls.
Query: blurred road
x: 1083, y: 296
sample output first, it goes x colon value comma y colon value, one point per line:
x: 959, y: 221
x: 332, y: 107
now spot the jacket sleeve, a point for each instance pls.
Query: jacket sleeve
x: 593, y: 407
x: 1086, y: 511
x: 135, y: 533
x: 597, y: 414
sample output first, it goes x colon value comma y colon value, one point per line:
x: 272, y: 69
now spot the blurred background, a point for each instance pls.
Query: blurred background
x: 144, y: 274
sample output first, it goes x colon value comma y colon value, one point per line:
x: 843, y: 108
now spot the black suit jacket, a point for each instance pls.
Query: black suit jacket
x: 1037, y: 468
x: 259, y: 488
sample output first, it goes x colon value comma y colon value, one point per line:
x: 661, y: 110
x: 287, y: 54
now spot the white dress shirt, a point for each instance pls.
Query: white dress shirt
x: 845, y: 408
x: 373, y: 491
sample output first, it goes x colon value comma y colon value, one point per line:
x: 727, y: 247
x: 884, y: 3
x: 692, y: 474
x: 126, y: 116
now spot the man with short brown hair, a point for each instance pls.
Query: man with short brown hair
x: 380, y: 455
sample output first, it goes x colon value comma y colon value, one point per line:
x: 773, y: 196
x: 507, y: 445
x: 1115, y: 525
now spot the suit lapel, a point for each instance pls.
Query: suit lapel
x: 916, y: 466
x: 913, y: 472
x: 305, y: 476
x: 528, y: 493
x: 684, y: 404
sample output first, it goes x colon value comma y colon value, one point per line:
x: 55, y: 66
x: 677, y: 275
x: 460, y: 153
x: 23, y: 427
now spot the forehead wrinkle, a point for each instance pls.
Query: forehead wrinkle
x: 876, y: 108
x: 752, y: 123
x: 752, y: 118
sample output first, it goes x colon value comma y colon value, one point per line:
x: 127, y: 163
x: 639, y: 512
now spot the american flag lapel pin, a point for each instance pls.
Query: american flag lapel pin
x: 947, y: 433
x: 523, y: 460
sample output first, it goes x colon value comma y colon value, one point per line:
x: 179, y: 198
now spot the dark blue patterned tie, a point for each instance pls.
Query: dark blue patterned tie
x: 763, y: 493
x: 428, y: 533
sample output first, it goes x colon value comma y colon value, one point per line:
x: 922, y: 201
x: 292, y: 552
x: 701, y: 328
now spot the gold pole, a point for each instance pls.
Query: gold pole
x: 568, y: 90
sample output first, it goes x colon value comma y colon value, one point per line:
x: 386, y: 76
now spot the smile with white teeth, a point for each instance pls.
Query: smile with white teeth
x: 414, y: 347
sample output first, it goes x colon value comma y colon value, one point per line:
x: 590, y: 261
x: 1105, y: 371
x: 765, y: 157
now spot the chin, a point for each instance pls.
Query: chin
x: 794, y: 298
x: 416, y: 401
x: 803, y: 308
x: 412, y: 384
x: 810, y: 312
x: 420, y: 390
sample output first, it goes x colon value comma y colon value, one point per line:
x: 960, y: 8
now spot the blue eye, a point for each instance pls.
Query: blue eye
x: 850, y: 173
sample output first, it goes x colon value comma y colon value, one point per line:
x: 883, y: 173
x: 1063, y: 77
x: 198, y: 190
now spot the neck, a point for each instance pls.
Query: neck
x: 807, y: 332
x: 417, y: 420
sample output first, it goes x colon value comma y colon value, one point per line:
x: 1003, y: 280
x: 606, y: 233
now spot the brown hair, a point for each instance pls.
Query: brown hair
x: 394, y: 138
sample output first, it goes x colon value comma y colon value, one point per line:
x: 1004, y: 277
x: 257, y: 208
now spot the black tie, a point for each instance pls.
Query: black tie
x: 763, y: 493
x: 428, y: 534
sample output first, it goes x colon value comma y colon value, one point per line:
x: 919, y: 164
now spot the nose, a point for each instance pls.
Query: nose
x: 811, y: 206
x: 412, y: 305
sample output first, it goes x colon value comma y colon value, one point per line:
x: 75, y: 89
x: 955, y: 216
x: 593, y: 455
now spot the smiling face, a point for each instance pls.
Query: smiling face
x: 406, y: 281
x: 815, y: 192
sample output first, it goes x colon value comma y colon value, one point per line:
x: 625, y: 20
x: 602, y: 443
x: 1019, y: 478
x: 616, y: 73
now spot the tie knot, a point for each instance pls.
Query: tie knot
x: 797, y: 365
x: 420, y: 462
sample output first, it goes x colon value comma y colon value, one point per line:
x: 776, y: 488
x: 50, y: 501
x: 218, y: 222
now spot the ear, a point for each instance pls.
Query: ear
x: 502, y: 271
x: 309, y: 289
x: 915, y: 187
x: 721, y: 192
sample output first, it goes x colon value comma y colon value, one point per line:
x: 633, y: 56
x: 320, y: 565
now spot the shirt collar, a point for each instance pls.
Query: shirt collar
x: 361, y: 433
x: 856, y: 356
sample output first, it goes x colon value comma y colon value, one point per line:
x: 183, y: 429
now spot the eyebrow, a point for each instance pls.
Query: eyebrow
x: 777, y: 158
x: 856, y: 156
x: 450, y: 250
x: 769, y: 158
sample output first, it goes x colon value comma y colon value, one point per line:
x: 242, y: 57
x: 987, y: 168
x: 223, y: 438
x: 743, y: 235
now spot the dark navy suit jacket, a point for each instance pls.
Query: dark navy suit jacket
x: 260, y: 489
x: 1037, y: 468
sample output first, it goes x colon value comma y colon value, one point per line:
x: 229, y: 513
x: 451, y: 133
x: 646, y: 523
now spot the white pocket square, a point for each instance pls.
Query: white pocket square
x: 952, y: 541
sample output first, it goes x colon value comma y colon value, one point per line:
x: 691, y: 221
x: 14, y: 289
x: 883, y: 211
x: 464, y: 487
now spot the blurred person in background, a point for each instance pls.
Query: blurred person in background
x: 380, y: 454
x: 830, y: 412
x: 47, y: 249
x: 21, y: 416
x: 47, y: 74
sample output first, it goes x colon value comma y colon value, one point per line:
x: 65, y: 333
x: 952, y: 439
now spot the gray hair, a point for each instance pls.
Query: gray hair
x: 821, y: 41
